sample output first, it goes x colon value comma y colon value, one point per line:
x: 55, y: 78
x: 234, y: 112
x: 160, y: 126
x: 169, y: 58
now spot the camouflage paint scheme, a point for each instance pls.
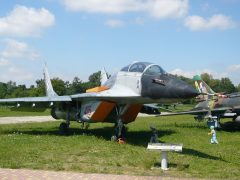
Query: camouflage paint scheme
x: 214, y: 104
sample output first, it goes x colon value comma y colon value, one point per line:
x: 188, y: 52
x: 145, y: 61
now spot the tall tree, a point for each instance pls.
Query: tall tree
x: 40, y: 87
x: 207, y: 78
x: 59, y: 86
x: 95, y: 79
x: 3, y: 90
x: 20, y: 91
x: 227, y: 85
x: 75, y: 87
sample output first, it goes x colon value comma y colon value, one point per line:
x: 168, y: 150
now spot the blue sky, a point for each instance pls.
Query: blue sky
x: 79, y: 37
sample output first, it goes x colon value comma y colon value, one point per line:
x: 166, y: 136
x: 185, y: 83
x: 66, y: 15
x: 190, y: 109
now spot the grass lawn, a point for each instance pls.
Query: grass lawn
x: 6, y: 112
x: 38, y: 146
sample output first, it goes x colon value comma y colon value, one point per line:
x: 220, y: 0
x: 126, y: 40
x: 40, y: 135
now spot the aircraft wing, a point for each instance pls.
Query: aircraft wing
x: 36, y: 99
x: 108, y: 95
x: 115, y: 94
x: 35, y: 103
x: 199, y: 111
x: 193, y: 112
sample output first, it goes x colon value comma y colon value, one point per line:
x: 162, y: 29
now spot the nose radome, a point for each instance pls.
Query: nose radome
x: 183, y: 90
x: 166, y: 86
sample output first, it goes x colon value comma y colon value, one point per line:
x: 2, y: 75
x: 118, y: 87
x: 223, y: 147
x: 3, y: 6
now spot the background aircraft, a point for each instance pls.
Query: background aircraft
x: 118, y: 100
x: 213, y: 105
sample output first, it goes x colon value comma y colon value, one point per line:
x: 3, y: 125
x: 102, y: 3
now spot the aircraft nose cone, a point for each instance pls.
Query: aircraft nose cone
x: 167, y: 86
x: 184, y: 91
x: 180, y: 89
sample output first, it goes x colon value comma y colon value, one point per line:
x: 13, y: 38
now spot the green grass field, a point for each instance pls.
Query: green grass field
x: 6, y: 112
x: 38, y: 146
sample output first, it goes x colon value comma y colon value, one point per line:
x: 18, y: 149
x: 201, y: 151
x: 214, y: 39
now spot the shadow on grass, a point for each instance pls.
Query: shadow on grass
x: 140, y: 138
x: 230, y: 126
x: 196, y: 153
x: 179, y: 166
x: 191, y: 125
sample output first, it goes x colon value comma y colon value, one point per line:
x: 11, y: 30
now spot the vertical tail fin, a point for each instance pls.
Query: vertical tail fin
x: 104, y: 76
x: 203, y: 88
x: 48, y: 85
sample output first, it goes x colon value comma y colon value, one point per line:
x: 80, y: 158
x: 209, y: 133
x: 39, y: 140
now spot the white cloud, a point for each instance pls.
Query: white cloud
x: 233, y: 68
x: 190, y: 74
x: 4, y: 62
x: 181, y: 72
x: 163, y: 9
x: 10, y: 69
x: 231, y: 72
x: 160, y: 9
x: 103, y: 6
x: 157, y: 9
x: 114, y: 23
x: 24, y: 21
x: 219, y: 21
x: 15, y: 74
x: 18, y: 50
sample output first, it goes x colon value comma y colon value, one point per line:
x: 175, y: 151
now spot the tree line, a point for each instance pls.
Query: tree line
x: 61, y: 87
x: 223, y: 85
x: 11, y: 90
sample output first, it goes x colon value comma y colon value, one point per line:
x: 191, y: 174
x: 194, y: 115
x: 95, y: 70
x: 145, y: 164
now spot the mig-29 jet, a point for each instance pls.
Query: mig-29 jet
x: 118, y: 100
x: 213, y: 106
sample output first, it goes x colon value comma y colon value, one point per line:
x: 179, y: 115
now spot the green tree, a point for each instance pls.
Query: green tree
x: 3, y: 90
x: 207, y: 78
x: 11, y: 86
x: 227, y: 86
x: 75, y: 87
x: 59, y: 86
x: 95, y: 79
x: 20, y: 91
x: 40, y: 88
x: 32, y: 91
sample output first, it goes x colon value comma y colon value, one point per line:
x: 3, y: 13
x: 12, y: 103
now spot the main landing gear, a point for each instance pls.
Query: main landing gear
x: 64, y: 126
x: 119, y: 128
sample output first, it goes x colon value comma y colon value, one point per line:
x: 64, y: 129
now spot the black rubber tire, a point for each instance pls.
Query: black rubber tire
x: 63, y: 129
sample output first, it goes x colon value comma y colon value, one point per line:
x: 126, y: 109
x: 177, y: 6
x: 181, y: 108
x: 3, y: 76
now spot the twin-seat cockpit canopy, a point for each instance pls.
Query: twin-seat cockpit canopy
x: 144, y: 67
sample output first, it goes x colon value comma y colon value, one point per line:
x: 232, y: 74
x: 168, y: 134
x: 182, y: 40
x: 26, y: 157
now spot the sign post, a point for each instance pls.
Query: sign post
x: 164, y: 148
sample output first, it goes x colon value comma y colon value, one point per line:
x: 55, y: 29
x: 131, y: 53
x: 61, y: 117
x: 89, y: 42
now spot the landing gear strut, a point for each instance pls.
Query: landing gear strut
x: 64, y: 126
x: 120, y: 129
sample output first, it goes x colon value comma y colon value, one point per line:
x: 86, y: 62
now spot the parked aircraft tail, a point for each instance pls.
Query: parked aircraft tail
x: 202, y: 87
x: 104, y: 76
x: 48, y: 85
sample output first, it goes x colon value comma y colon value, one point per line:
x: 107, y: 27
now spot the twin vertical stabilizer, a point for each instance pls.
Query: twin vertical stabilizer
x: 104, y: 76
x: 48, y: 85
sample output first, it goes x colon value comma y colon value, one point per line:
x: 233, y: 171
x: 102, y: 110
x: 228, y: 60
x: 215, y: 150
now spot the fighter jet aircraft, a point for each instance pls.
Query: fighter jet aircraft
x: 118, y: 100
x: 213, y: 105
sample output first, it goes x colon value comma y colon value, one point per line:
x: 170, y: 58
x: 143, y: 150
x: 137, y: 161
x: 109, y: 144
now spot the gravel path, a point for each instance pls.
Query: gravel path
x: 22, y: 174
x: 25, y: 119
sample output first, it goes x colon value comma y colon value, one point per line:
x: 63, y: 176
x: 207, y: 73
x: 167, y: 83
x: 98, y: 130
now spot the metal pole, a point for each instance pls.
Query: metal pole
x: 164, y: 161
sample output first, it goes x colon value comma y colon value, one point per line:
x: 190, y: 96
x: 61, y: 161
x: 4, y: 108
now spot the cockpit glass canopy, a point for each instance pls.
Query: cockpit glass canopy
x: 144, y: 67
